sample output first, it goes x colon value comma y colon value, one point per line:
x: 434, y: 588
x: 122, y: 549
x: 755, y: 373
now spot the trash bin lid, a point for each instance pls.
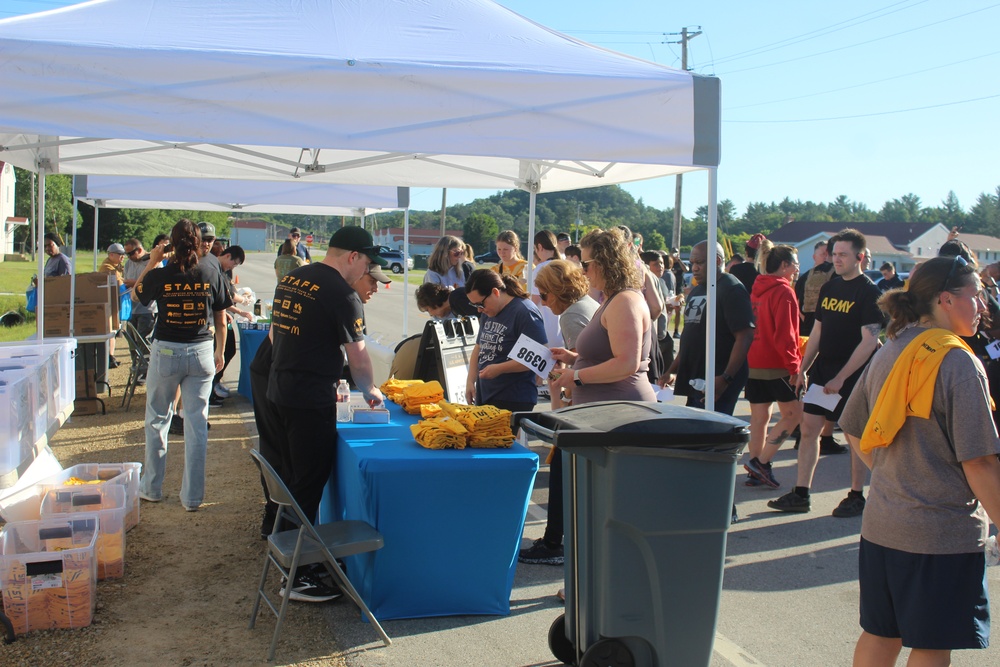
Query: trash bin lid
x: 637, y: 425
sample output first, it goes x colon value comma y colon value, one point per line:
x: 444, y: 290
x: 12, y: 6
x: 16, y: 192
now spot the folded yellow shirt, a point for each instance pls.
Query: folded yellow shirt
x: 908, y: 390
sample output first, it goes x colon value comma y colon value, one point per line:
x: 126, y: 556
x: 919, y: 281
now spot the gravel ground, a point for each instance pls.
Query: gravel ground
x: 189, y: 577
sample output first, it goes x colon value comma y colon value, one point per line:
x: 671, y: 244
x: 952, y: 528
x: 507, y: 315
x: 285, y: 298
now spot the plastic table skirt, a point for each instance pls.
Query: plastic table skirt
x: 250, y: 340
x: 451, y: 519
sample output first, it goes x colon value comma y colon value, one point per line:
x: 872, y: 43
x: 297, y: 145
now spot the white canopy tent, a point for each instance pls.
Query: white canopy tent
x: 427, y: 93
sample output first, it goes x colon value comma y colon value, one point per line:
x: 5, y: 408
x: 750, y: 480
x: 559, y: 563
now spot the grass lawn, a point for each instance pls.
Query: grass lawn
x: 14, y: 280
x: 416, y: 276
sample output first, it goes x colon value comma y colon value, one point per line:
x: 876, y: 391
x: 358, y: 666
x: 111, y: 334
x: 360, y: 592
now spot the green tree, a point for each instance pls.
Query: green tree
x: 654, y: 241
x: 479, y: 230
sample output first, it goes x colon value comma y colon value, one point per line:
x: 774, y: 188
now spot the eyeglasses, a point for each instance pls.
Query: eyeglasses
x: 959, y: 261
x: 481, y: 305
x: 457, y: 253
x: 585, y: 264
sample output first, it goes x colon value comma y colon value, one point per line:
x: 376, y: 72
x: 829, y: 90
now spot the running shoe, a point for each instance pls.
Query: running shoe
x: 540, y: 553
x: 308, y: 588
x: 852, y: 505
x: 761, y: 471
x: 752, y: 481
x: 790, y: 502
x: 827, y: 445
x: 221, y: 390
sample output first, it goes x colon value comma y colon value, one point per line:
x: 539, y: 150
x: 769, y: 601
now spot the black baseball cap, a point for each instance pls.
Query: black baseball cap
x: 356, y: 239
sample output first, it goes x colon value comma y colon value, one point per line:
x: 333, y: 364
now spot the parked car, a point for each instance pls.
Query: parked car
x: 490, y: 257
x: 395, y: 258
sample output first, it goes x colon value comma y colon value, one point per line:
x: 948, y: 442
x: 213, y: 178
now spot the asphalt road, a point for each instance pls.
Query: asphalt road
x: 789, y: 597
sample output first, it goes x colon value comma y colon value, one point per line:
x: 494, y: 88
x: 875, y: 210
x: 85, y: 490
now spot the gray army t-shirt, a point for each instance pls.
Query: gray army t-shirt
x: 920, y: 501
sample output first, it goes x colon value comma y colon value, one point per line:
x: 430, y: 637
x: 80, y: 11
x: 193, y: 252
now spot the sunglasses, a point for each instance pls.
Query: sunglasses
x: 585, y: 264
x: 457, y: 253
x: 480, y: 305
x: 959, y: 261
x: 132, y: 252
x: 543, y: 296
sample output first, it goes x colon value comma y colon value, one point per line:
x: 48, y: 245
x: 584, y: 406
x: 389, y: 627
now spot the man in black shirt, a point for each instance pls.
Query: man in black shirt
x: 316, y: 311
x: 733, y: 336
x: 745, y: 271
x: 843, y: 339
x: 890, y: 279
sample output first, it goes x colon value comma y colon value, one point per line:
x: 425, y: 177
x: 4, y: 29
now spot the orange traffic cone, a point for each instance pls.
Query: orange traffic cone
x: 236, y: 280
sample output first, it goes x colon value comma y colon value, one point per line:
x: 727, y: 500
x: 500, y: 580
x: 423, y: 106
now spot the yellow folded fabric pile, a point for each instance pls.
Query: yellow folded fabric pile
x: 439, y: 433
x: 428, y: 410
x: 420, y: 394
x: 488, y: 426
x: 393, y: 388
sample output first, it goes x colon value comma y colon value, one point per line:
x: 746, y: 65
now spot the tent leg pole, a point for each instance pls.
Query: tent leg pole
x: 710, y: 311
x: 531, y: 237
x: 406, y: 271
x: 40, y: 232
x: 97, y: 210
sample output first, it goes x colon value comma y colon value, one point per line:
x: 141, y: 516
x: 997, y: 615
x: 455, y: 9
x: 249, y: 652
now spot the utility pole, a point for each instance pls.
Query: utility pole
x: 676, y: 237
x: 444, y: 209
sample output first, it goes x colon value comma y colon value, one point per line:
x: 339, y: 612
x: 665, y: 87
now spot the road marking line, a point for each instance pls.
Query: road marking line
x: 536, y: 513
x: 737, y: 656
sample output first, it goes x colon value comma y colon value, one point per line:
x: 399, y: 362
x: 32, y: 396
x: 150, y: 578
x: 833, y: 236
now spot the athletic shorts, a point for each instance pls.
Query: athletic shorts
x: 932, y: 601
x: 770, y: 391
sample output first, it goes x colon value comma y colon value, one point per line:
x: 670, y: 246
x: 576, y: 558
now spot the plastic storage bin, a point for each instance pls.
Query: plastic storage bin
x: 48, y: 572
x: 108, y: 502
x: 648, y: 501
x: 124, y: 474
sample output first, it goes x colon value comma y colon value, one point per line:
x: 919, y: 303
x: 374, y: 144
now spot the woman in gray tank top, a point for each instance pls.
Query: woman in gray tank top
x: 612, y: 351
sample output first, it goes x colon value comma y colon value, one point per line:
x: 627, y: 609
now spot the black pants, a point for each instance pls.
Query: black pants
x: 266, y: 417
x: 307, y: 446
x: 554, y: 525
x: 228, y: 355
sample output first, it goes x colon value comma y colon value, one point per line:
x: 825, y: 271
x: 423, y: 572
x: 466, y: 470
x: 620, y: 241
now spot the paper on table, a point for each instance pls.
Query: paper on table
x: 816, y: 396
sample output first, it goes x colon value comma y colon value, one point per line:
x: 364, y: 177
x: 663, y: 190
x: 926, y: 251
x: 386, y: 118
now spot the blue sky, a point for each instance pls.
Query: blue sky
x: 872, y: 100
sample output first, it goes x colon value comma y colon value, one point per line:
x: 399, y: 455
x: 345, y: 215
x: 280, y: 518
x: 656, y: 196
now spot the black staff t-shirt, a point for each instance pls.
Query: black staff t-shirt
x: 185, y: 301
x: 844, y: 307
x: 315, y: 312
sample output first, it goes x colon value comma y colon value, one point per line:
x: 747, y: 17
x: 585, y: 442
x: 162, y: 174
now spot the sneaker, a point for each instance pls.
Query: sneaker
x: 752, y: 481
x: 827, y: 445
x: 677, y: 335
x: 177, y: 425
x: 216, y: 401
x: 736, y: 517
x: 540, y: 553
x: 790, y: 502
x: 221, y: 390
x: 141, y: 380
x: 191, y: 508
x: 761, y: 471
x: 149, y: 498
x: 308, y: 589
x: 852, y: 505
x: 113, y: 363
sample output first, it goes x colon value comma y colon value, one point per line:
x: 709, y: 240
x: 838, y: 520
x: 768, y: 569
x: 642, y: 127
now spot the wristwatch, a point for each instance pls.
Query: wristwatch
x: 576, y: 379
x: 728, y: 378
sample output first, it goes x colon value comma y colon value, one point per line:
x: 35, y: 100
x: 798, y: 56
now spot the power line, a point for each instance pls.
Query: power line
x: 866, y: 83
x: 868, y: 41
x: 819, y: 32
x: 867, y: 115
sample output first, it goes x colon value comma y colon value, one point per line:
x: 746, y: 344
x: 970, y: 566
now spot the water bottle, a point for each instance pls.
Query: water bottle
x: 992, y: 551
x: 343, y: 402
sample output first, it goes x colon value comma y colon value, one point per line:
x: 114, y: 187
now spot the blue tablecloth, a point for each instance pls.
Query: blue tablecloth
x: 452, y: 519
x: 250, y: 340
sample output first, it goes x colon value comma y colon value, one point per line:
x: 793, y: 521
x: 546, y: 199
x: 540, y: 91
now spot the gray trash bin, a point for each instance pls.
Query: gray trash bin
x: 648, y: 500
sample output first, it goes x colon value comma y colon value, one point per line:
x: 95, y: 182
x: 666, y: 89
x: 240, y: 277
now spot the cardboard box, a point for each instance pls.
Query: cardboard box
x: 90, y: 288
x: 86, y: 406
x: 56, y: 321
x: 85, y: 383
x: 92, y: 319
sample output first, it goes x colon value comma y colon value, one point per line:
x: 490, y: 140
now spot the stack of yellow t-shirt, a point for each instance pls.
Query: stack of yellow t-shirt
x: 393, y: 388
x: 428, y: 410
x: 419, y: 394
x: 487, y: 425
x: 439, y: 433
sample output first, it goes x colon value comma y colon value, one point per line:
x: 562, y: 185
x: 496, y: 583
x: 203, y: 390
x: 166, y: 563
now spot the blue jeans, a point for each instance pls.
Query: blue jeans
x: 189, y: 366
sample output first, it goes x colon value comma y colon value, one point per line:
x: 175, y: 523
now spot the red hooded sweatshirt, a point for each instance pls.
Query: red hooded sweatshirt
x: 776, y: 337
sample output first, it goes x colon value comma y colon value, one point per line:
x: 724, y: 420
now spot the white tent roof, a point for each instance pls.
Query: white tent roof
x: 456, y: 93
x: 239, y: 196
